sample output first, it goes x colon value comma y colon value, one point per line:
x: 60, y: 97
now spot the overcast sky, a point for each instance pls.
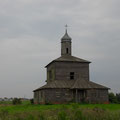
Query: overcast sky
x: 30, y: 33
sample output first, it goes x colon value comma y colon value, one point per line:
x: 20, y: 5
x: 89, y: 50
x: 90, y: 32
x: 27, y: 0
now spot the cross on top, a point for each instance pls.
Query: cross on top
x: 66, y: 26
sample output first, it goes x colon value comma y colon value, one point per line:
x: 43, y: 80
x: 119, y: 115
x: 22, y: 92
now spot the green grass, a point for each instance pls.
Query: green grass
x: 72, y: 111
x: 5, y: 102
x: 26, y: 106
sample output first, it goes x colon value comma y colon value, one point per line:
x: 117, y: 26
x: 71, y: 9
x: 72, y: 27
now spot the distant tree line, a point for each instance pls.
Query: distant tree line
x: 114, y: 98
x: 16, y: 101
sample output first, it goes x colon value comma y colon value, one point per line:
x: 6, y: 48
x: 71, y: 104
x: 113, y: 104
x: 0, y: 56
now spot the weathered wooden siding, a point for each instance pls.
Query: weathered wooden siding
x: 39, y: 96
x: 63, y: 70
x: 58, y: 95
x: 97, y: 96
x: 64, y: 45
x: 68, y: 95
x: 52, y: 69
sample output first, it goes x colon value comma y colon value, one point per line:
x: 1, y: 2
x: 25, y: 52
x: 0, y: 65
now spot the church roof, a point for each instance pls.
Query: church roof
x: 84, y: 84
x: 71, y: 84
x: 69, y: 58
x: 57, y: 84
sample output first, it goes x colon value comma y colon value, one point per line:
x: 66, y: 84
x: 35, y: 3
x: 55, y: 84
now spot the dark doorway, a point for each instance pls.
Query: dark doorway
x: 79, y: 96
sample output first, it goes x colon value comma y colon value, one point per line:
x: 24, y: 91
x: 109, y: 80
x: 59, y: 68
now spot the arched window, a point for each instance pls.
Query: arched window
x: 67, y: 50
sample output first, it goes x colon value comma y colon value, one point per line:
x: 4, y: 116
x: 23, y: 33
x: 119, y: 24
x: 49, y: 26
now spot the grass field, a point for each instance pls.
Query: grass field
x: 72, y: 111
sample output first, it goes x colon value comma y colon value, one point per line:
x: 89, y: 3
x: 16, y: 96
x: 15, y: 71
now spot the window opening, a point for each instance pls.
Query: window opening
x: 67, y: 50
x: 72, y: 75
x: 50, y: 74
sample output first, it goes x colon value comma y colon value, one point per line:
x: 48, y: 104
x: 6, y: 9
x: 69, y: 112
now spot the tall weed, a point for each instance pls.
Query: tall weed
x: 62, y: 116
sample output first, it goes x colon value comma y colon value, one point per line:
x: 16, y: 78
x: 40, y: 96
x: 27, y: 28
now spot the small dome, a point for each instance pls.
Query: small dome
x: 66, y: 37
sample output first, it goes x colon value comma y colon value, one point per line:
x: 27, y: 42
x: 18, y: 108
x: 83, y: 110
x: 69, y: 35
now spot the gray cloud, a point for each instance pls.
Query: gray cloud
x: 30, y: 33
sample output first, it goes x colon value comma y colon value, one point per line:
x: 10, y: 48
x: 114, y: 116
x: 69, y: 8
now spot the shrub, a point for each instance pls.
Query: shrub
x: 118, y: 97
x: 48, y: 103
x: 32, y: 101
x: 16, y: 101
x: 112, y: 98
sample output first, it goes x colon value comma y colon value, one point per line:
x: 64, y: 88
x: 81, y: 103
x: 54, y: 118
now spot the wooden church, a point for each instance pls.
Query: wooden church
x: 68, y: 80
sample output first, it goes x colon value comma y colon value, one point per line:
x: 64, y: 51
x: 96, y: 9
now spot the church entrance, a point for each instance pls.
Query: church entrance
x: 79, y: 95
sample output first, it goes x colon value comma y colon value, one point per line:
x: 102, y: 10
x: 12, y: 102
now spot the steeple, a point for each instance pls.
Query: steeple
x: 66, y: 37
x: 66, y: 44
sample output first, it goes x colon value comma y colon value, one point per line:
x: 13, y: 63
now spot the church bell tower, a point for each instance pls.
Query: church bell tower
x: 66, y: 47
